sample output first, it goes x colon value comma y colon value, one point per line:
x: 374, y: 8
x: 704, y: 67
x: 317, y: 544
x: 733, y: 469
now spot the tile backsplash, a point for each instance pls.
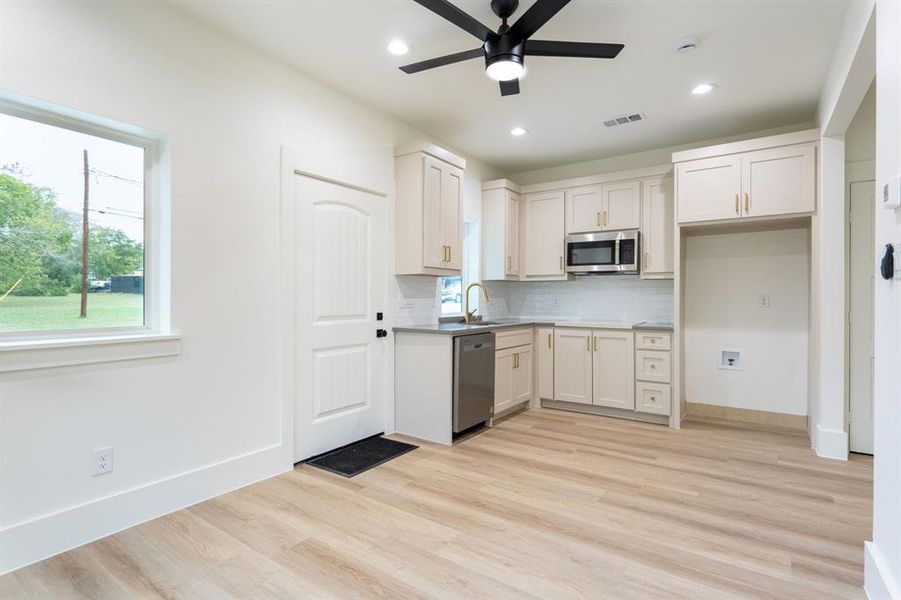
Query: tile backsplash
x: 589, y: 298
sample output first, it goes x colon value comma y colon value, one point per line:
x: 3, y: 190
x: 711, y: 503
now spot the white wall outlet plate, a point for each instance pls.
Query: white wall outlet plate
x: 891, y: 193
x: 103, y: 460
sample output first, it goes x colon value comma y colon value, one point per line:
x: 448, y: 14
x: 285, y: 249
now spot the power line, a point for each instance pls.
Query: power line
x: 99, y: 173
x: 115, y: 214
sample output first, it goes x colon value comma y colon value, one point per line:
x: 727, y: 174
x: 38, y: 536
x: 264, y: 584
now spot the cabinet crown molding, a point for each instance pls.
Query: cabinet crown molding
x: 501, y: 184
x: 613, y: 176
x: 432, y: 150
x: 773, y: 141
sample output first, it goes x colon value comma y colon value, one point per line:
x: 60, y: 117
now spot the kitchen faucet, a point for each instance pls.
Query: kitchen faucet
x: 470, y: 316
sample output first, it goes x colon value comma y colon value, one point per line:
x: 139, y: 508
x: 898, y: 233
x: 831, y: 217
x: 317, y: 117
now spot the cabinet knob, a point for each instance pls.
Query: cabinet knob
x: 653, y: 341
x: 653, y: 398
x: 653, y: 367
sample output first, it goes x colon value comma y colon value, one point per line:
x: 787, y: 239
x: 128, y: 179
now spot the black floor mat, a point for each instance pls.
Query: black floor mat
x: 360, y: 456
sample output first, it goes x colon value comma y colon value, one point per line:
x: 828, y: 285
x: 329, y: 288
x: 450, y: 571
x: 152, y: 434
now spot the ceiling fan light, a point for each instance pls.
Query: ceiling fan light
x: 504, y: 69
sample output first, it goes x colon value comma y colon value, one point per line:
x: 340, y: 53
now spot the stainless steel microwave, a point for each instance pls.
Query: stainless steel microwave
x: 602, y: 252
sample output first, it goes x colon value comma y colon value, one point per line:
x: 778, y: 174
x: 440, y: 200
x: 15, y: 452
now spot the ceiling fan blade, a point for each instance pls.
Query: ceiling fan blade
x: 448, y: 59
x: 449, y: 12
x: 508, y: 88
x: 572, y: 49
x: 537, y: 15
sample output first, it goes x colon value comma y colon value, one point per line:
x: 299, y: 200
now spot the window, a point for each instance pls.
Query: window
x: 451, y: 296
x: 60, y: 177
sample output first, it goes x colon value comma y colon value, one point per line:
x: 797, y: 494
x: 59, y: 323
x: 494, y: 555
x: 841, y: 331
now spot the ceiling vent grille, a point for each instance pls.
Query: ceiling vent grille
x: 625, y: 119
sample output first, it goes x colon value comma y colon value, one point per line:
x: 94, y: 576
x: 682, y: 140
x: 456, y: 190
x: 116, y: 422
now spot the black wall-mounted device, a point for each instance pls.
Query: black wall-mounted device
x: 887, y: 267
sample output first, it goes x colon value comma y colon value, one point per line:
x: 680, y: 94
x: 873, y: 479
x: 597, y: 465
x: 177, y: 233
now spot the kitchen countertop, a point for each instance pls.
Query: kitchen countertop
x: 497, y: 324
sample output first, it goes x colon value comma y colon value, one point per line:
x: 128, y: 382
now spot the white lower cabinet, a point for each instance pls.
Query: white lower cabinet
x: 512, y: 377
x: 544, y: 362
x: 652, y: 398
x: 572, y: 365
x: 653, y: 365
x: 613, y: 369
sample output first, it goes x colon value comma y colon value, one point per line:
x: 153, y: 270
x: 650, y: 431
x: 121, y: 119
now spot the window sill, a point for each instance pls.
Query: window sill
x: 48, y: 354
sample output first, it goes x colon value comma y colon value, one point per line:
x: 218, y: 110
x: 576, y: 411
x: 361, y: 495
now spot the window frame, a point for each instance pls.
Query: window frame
x: 156, y: 253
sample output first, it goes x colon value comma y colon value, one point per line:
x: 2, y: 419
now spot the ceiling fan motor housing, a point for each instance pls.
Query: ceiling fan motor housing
x: 504, y: 47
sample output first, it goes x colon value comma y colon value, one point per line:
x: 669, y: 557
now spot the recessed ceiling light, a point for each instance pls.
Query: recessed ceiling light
x: 398, y: 47
x: 702, y: 88
x: 518, y: 131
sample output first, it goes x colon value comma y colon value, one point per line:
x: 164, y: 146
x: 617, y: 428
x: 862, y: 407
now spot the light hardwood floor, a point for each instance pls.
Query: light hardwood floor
x: 545, y: 505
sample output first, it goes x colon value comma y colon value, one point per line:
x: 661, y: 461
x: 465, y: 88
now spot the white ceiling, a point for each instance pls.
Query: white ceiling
x: 769, y: 59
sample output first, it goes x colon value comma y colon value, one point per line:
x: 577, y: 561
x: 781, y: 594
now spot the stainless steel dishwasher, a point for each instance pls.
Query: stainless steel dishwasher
x: 473, y: 380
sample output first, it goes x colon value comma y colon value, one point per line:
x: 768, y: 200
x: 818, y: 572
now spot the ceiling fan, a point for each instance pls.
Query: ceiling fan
x: 505, y: 51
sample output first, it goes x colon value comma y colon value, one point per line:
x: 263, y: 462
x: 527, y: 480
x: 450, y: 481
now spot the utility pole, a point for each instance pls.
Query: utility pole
x: 84, y: 241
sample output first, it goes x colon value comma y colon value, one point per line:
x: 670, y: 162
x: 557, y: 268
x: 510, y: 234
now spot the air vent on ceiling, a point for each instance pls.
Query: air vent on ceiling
x: 625, y: 119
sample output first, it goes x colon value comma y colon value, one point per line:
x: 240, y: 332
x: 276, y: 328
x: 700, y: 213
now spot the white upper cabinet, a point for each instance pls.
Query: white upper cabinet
x: 429, y: 211
x: 709, y: 189
x: 500, y: 230
x: 657, y: 228
x: 614, y: 369
x: 544, y: 238
x: 584, y: 209
x: 572, y: 365
x: 621, y: 205
x: 766, y: 177
x: 779, y: 181
x: 604, y: 207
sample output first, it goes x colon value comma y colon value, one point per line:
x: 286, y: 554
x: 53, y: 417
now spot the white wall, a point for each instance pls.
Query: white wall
x: 860, y: 139
x: 211, y: 419
x: 724, y: 276
x: 883, y: 556
x: 592, y: 298
x: 648, y: 158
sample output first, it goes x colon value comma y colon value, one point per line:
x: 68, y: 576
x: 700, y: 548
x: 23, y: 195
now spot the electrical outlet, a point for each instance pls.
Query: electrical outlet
x: 103, y: 460
x: 763, y: 301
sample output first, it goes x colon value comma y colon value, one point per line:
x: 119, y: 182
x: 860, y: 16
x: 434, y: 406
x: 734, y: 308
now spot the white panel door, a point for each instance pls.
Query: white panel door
x: 544, y: 362
x: 862, y: 274
x: 708, y: 189
x: 778, y: 181
x: 511, y: 233
x: 434, y: 246
x: 572, y: 365
x: 614, y: 369
x: 657, y: 227
x: 452, y: 215
x: 621, y: 205
x: 583, y: 209
x: 340, y: 273
x: 545, y: 238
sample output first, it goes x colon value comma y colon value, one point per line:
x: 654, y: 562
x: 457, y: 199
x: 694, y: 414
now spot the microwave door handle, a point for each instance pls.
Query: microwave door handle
x: 616, y: 252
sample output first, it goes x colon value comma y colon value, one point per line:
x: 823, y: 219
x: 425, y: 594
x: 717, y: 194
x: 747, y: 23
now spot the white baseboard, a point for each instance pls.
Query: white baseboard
x: 831, y: 443
x: 879, y: 582
x: 31, y: 541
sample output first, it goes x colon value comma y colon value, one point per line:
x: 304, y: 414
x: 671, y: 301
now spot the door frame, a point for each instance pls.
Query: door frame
x: 855, y: 172
x: 367, y: 169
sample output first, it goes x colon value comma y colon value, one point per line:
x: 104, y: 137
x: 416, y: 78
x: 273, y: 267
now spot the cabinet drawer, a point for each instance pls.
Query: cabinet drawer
x: 652, y: 340
x: 651, y: 365
x: 508, y: 338
x: 653, y: 398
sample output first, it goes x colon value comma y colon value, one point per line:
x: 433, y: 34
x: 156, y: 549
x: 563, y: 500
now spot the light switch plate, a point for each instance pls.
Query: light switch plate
x: 891, y: 193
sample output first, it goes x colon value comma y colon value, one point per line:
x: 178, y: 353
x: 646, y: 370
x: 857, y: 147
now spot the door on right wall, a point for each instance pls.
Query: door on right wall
x: 861, y: 282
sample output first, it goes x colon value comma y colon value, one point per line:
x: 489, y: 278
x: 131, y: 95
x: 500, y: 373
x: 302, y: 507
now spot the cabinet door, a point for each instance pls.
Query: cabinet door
x: 583, y: 209
x: 544, y: 359
x: 522, y: 374
x: 434, y: 252
x: 544, y: 234
x: 511, y: 233
x: 708, y: 189
x: 657, y: 227
x: 451, y: 215
x: 503, y: 380
x: 614, y: 369
x: 779, y: 181
x: 621, y: 205
x: 572, y: 365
